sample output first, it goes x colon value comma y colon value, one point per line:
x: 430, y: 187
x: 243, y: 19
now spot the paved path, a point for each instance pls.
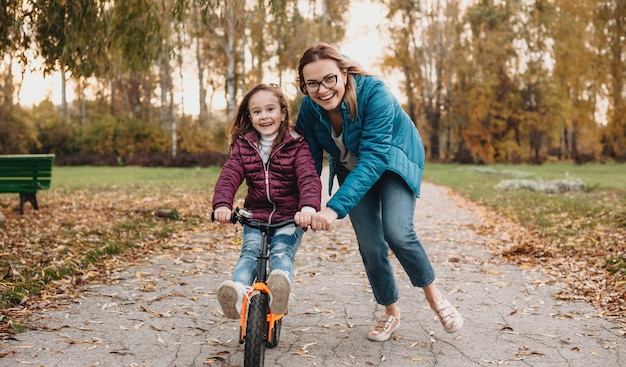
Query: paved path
x: 165, y: 313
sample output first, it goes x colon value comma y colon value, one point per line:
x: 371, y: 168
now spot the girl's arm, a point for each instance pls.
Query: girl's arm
x: 229, y: 180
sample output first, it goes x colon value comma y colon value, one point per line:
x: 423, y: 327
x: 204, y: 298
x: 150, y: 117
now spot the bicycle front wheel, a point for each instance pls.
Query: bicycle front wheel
x: 256, y: 331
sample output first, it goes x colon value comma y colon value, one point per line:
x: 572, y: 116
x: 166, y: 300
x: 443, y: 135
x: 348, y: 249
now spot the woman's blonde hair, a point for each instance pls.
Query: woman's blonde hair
x: 241, y: 123
x: 325, y: 51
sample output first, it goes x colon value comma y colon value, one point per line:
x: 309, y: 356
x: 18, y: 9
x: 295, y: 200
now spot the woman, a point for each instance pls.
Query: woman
x: 378, y: 157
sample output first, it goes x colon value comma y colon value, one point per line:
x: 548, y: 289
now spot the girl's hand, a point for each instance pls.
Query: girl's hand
x: 303, y: 219
x: 222, y: 214
x: 323, y: 219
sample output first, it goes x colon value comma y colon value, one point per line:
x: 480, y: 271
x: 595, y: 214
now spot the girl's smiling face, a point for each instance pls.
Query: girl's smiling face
x: 331, y: 81
x: 265, y: 112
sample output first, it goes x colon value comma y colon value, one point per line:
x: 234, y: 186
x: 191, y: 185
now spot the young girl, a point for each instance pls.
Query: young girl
x: 282, y: 181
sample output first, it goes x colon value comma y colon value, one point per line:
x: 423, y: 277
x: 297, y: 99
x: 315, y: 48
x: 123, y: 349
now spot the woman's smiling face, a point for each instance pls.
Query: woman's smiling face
x: 323, y: 74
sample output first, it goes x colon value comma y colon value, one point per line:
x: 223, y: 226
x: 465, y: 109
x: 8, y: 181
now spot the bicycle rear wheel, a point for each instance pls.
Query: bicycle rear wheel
x: 256, y: 331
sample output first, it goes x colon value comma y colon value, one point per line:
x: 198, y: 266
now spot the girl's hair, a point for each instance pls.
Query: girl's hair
x: 325, y: 51
x: 241, y: 124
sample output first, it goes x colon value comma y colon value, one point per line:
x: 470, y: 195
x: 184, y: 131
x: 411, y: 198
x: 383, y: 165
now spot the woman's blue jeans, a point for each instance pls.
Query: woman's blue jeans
x: 383, y: 220
x: 284, y: 245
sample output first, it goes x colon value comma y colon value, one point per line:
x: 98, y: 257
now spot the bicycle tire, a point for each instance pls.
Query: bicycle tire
x: 275, y: 334
x: 256, y: 331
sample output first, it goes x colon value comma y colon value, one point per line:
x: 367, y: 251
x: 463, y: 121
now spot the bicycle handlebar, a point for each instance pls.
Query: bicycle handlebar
x: 243, y: 216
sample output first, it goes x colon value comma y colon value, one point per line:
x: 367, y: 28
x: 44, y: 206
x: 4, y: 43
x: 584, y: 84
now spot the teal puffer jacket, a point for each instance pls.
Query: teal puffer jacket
x: 382, y: 138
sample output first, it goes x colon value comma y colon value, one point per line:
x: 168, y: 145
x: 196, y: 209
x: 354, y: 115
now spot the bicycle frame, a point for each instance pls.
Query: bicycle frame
x: 267, y: 230
x: 272, y: 318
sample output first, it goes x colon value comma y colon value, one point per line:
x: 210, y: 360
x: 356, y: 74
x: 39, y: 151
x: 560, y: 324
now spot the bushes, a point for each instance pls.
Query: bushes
x: 109, y: 135
x: 17, y: 133
x: 107, y: 140
x: 204, y: 159
x: 58, y: 137
x: 112, y: 141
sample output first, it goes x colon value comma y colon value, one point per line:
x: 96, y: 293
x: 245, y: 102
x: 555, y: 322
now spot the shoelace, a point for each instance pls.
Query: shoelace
x: 247, y: 294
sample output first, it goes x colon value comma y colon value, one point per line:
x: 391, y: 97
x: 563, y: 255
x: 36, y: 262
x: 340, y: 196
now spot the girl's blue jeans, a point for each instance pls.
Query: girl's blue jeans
x: 284, y: 245
x: 383, y: 220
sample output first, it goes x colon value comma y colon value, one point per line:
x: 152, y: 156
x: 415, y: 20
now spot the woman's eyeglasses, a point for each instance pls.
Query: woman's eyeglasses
x: 328, y: 82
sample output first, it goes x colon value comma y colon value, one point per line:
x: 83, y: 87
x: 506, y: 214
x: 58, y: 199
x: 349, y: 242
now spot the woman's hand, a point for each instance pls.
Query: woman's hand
x: 323, y: 219
x: 222, y: 214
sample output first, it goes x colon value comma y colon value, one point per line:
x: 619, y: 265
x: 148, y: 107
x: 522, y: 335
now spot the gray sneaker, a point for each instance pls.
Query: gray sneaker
x: 230, y: 296
x: 280, y: 289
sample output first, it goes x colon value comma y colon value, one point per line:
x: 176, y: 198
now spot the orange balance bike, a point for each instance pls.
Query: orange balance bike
x: 259, y: 327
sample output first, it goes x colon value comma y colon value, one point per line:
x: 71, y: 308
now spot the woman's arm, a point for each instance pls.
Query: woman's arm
x: 306, y: 122
x: 374, y: 141
x: 309, y: 184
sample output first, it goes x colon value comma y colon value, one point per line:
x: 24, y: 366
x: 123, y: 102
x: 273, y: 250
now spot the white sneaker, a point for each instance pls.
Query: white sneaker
x: 230, y: 296
x: 385, y: 325
x: 450, y: 317
x: 280, y: 288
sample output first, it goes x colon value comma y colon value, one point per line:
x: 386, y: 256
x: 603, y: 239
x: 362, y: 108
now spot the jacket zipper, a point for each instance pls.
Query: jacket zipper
x: 266, y: 169
x: 267, y: 179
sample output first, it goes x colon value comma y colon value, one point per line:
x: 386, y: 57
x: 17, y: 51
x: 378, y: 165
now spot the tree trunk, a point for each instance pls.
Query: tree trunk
x: 167, y: 98
x: 173, y: 117
x: 203, y: 113
x: 81, y: 101
x: 64, y: 113
x: 434, y: 121
x: 231, y: 80
x: 113, y: 87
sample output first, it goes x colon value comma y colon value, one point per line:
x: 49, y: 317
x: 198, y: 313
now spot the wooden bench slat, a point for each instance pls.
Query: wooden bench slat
x: 27, y: 156
x: 24, y: 181
x: 24, y: 162
x: 24, y: 186
x: 25, y: 174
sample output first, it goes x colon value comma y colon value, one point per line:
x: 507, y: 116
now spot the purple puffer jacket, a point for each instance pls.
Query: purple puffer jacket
x: 276, y: 192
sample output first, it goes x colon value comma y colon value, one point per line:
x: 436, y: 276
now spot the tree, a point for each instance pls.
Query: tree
x: 611, y: 20
x: 222, y: 19
x: 135, y: 33
x: 70, y: 37
x: 427, y: 28
x: 486, y: 94
x: 577, y: 82
x: 536, y: 124
x: 12, y: 43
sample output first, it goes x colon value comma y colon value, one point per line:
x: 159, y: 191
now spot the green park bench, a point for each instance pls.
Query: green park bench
x: 25, y: 174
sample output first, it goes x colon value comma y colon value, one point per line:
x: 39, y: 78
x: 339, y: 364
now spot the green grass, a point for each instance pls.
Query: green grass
x: 602, y: 203
x: 142, y: 180
x: 603, y: 176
